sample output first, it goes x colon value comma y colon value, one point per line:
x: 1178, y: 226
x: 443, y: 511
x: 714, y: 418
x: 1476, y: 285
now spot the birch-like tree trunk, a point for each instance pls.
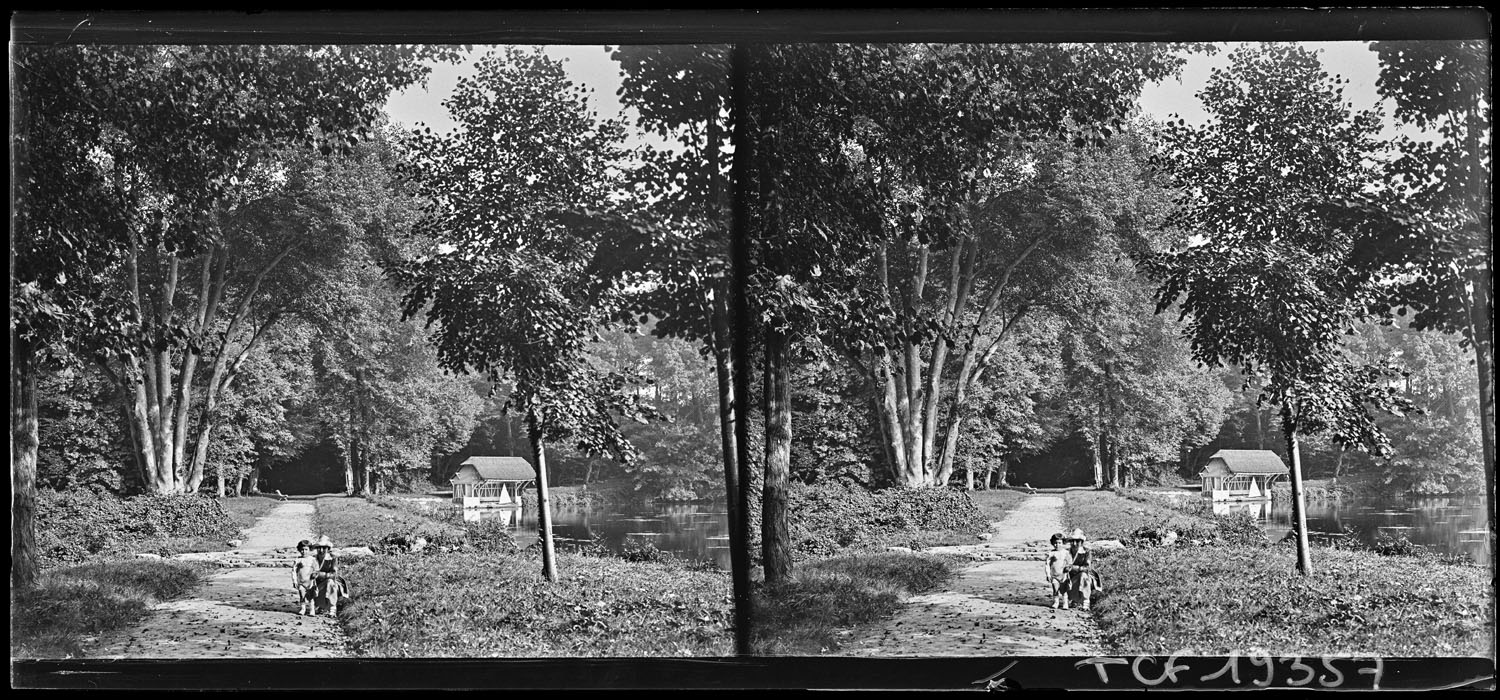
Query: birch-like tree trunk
x: 543, y: 504
x: 23, y: 457
x: 1299, y: 504
x: 776, y: 553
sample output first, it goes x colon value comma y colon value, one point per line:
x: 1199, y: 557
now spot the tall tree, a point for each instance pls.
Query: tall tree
x: 1271, y: 280
x: 1446, y: 246
x: 513, y: 292
x: 961, y: 156
x: 119, y: 147
x: 1134, y: 389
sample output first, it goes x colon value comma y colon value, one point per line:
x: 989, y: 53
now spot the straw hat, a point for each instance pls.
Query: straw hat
x: 324, y: 542
x: 1077, y: 534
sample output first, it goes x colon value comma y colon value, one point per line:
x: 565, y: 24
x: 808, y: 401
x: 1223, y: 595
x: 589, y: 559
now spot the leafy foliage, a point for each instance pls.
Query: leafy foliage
x: 509, y: 286
x: 828, y: 519
x: 1270, y: 278
x: 77, y: 525
x: 1200, y: 601
x: 495, y: 605
x: 80, y: 436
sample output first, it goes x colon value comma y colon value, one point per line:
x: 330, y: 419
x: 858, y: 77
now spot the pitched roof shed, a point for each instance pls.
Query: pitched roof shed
x: 1250, y: 461
x: 500, y: 468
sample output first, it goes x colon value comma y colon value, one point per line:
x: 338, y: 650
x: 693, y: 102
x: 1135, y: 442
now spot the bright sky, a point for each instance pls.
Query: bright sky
x: 592, y: 67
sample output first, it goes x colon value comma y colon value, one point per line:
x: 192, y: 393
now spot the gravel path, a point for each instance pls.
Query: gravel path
x: 247, y: 611
x: 1001, y: 607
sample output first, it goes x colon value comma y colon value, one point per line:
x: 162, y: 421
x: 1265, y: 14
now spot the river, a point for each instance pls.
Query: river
x: 1445, y: 524
x: 692, y: 531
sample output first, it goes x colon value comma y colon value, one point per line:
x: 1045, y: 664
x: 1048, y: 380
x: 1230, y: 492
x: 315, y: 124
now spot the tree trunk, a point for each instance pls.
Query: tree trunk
x: 23, y: 452
x: 1098, y: 460
x: 1299, y: 505
x: 348, y: 461
x: 200, y: 452
x: 721, y: 345
x: 543, y: 504
x: 776, y: 554
x: 1260, y: 433
x: 1481, y: 331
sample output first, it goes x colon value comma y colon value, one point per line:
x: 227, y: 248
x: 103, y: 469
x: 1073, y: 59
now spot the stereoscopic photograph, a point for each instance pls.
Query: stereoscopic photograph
x: 1124, y: 361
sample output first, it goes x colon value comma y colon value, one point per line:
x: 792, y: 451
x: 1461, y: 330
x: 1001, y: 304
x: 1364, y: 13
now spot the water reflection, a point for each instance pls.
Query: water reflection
x: 1260, y: 510
x: 692, y: 531
x: 1446, y: 524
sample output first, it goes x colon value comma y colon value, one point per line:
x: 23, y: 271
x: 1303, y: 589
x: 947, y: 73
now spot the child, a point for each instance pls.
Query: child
x: 1057, y: 564
x: 1081, y: 576
x: 328, y: 584
x: 302, y: 577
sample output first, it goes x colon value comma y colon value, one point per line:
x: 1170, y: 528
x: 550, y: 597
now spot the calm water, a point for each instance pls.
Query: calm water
x: 1447, y: 524
x: 692, y: 531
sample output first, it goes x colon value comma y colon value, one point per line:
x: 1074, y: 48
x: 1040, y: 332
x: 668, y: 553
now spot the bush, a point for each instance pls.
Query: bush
x: 1238, y: 529
x: 490, y: 536
x: 74, y: 526
x: 828, y: 518
x: 1396, y: 545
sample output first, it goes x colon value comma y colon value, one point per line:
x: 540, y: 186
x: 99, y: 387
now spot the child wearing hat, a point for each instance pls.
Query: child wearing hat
x: 330, y: 586
x: 1081, y: 576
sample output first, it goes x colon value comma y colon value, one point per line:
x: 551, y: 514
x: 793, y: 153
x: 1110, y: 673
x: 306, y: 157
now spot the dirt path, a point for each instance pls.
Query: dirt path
x: 1000, y: 607
x: 246, y: 611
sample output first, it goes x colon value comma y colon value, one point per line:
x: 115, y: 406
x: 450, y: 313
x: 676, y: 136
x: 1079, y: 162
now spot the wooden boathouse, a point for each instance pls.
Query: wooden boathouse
x: 1241, y: 475
x: 491, y: 481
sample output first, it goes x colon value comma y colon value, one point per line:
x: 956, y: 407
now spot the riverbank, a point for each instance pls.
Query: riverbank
x: 636, y: 602
x: 1240, y: 593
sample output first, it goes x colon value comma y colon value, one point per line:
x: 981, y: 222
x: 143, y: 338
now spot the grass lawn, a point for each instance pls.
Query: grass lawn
x: 498, y: 605
x: 72, y: 603
x: 826, y: 597
x: 1214, y: 600
x: 353, y: 521
x: 245, y: 510
x: 1220, y: 597
x: 1106, y: 515
x: 997, y: 503
x: 483, y: 604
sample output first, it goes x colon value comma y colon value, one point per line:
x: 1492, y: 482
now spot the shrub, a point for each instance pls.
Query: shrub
x: 1397, y: 545
x: 74, y: 526
x: 829, y: 518
x: 490, y: 536
x: 1238, y: 529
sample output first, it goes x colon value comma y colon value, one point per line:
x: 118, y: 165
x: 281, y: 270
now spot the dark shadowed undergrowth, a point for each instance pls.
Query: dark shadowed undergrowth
x: 828, y: 596
x: 73, y: 603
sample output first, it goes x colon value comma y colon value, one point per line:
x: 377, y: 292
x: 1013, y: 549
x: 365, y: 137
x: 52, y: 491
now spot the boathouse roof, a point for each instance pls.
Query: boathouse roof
x: 1251, y: 461
x: 500, y: 468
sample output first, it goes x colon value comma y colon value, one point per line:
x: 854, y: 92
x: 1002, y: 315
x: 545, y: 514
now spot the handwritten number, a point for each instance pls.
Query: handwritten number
x: 1258, y: 659
x: 1376, y: 672
x: 1231, y: 666
x: 1338, y: 676
x: 1297, y: 665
